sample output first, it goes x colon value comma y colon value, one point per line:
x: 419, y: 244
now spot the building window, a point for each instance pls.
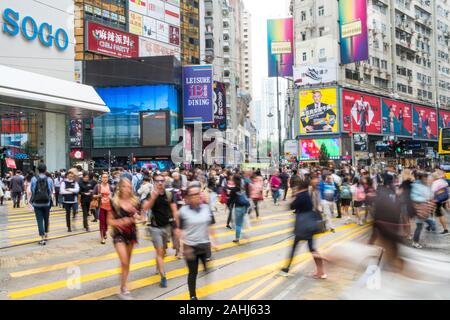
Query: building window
x: 304, y: 56
x: 303, y: 15
x: 321, y: 31
x: 321, y: 11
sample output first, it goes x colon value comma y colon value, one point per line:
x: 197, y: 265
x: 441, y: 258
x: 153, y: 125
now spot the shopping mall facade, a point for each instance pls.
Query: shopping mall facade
x: 331, y: 115
x: 38, y: 94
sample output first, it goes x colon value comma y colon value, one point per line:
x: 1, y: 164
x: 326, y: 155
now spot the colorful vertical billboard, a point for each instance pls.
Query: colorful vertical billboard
x: 397, y: 118
x: 362, y: 112
x: 444, y: 119
x: 425, y: 123
x: 318, y: 111
x: 353, y: 30
x: 310, y: 148
x: 220, y: 107
x: 198, y: 102
x: 280, y: 47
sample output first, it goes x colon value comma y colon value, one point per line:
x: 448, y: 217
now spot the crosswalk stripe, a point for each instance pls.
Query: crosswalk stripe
x: 139, y: 251
x: 180, y: 272
x: 254, y: 274
x: 266, y: 289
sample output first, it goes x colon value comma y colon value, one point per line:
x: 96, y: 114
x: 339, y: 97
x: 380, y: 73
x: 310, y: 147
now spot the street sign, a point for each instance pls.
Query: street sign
x: 281, y: 47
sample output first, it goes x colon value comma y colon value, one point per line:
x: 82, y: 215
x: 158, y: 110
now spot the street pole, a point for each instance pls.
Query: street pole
x: 353, y: 143
x: 279, y: 114
x: 109, y: 162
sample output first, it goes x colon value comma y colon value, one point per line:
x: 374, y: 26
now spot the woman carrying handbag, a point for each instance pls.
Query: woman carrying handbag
x: 307, y: 223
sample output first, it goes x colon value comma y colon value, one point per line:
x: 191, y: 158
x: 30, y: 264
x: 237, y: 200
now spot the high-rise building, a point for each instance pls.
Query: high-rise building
x: 190, y: 32
x: 247, y: 51
x: 407, y: 72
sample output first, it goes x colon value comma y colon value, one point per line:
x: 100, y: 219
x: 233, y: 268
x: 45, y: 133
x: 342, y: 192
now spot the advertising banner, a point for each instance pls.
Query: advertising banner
x: 111, y: 42
x: 174, y: 35
x: 361, y: 142
x: 310, y: 148
x: 362, y: 112
x: 135, y: 23
x: 397, y: 118
x: 198, y: 94
x: 162, y: 33
x: 156, y: 9
x: 139, y: 6
x: 444, y: 119
x: 318, y: 111
x: 10, y: 163
x: 220, y: 107
x: 150, y: 29
x: 291, y: 148
x: 280, y: 32
x: 151, y: 48
x: 172, y: 15
x: 425, y: 123
x: 76, y: 133
x: 353, y: 31
x: 316, y: 73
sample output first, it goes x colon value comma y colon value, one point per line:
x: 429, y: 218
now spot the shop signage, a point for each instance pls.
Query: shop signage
x: 112, y: 42
x: 198, y: 94
x: 46, y: 34
x: 11, y: 163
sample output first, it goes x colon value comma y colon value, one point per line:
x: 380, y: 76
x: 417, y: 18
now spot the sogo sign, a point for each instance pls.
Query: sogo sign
x: 31, y: 30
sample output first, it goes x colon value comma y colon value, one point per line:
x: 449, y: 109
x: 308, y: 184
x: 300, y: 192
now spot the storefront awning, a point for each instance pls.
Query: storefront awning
x: 29, y: 90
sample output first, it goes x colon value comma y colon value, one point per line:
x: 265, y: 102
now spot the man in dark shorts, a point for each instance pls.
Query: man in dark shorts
x: 164, y: 217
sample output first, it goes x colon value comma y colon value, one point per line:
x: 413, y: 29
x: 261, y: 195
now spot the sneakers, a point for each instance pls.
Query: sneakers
x: 416, y: 245
x: 444, y: 232
x: 194, y: 298
x: 125, y: 295
x: 236, y: 241
x: 163, y: 283
x: 229, y: 227
x: 42, y: 243
x: 284, y: 272
x: 69, y: 229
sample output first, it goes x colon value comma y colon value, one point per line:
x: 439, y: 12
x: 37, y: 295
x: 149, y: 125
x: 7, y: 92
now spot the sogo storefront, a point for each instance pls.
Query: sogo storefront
x: 38, y: 94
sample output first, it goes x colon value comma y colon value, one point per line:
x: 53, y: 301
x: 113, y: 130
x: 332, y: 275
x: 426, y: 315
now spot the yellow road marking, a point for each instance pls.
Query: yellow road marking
x: 34, y: 218
x: 278, y: 281
x: 254, y: 274
x: 148, y: 249
x: 180, y: 272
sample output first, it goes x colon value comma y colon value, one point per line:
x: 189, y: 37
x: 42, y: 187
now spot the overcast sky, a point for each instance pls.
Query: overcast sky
x: 261, y: 10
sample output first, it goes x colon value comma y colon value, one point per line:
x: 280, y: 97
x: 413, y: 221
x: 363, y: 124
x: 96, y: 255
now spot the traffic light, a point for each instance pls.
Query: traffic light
x: 400, y: 147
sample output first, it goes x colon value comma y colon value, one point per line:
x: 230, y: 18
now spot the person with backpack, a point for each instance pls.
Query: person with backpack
x: 231, y: 190
x: 441, y: 196
x: 328, y: 194
x: 241, y: 205
x: 406, y: 205
x: 275, y: 184
x: 346, y: 199
x: 41, y: 196
x: 422, y: 197
x: 69, y: 192
x: 256, y: 192
x: 213, y: 189
x: 137, y: 180
x: 103, y: 192
x: 164, y: 218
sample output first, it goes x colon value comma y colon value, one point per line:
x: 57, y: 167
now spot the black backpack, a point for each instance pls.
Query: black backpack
x: 41, y: 194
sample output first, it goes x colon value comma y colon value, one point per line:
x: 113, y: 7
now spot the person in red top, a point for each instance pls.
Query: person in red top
x: 103, y: 191
x: 275, y: 183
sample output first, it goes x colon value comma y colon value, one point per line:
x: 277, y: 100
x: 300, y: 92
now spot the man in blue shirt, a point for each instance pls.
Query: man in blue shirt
x: 41, y: 196
x: 328, y: 195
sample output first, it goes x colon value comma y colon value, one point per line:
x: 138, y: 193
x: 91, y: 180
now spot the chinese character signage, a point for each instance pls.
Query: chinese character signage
x: 316, y: 73
x: 353, y: 29
x: 279, y: 33
x: 148, y: 48
x: 425, y: 123
x: 135, y: 23
x: 198, y: 94
x: 397, y: 118
x: 111, y: 42
x: 362, y: 112
x: 220, y: 107
x: 318, y: 111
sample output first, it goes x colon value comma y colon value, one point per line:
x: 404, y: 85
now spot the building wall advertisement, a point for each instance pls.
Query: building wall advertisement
x: 318, y: 111
x: 425, y: 123
x: 198, y: 101
x: 280, y: 31
x: 361, y: 112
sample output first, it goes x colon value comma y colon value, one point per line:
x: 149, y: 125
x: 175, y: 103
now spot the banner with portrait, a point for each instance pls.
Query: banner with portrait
x: 425, y: 123
x: 362, y: 112
x: 318, y: 111
x: 444, y: 119
x: 397, y: 118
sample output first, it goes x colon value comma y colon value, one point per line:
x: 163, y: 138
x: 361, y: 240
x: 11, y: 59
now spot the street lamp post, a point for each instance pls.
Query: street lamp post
x: 278, y: 111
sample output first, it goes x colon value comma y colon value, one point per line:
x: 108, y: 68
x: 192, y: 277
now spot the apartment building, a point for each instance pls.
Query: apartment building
x: 408, y: 47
